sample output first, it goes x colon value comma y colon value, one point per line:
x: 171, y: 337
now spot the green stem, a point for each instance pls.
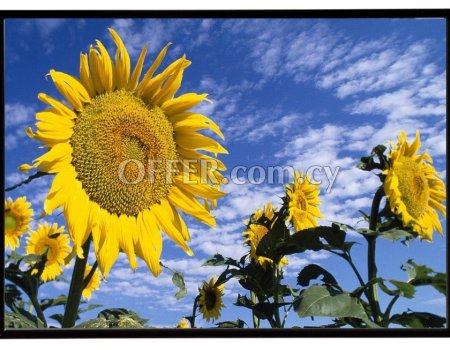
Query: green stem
x: 387, y: 313
x: 27, y: 180
x: 194, y: 310
x: 39, y: 312
x: 276, y: 281
x: 76, y: 288
x: 371, y: 263
x: 255, y: 318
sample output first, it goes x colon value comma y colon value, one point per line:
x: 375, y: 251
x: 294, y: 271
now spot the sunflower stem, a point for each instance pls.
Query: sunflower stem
x: 371, y: 263
x: 275, y: 280
x: 76, y: 288
x: 39, y: 312
x: 255, y: 318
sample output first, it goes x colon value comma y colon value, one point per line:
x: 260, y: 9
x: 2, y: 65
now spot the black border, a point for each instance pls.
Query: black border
x: 215, y: 332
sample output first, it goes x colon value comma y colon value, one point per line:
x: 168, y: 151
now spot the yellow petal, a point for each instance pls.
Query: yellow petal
x: 132, y: 84
x: 149, y: 74
x: 171, y: 223
x: 122, y: 61
x: 183, y: 103
x: 71, y: 88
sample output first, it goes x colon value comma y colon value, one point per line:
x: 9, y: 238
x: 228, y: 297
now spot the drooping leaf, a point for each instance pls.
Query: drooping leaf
x: 413, y: 319
x: 178, y: 281
x: 312, y: 272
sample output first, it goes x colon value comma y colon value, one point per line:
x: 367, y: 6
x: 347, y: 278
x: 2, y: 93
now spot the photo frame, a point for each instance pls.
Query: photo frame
x: 306, y: 133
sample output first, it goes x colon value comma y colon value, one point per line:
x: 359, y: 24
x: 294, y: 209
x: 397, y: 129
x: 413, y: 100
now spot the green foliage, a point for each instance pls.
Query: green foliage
x: 329, y: 302
x: 115, y: 318
x: 421, y: 275
x: 178, y: 281
x: 312, y: 272
x: 231, y: 324
x: 413, y: 319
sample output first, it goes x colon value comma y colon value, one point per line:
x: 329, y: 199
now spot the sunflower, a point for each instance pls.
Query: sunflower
x: 256, y: 231
x: 93, y: 284
x: 120, y: 151
x: 303, y: 203
x: 184, y: 323
x: 51, y: 240
x: 414, y: 188
x: 210, y: 300
x: 17, y: 217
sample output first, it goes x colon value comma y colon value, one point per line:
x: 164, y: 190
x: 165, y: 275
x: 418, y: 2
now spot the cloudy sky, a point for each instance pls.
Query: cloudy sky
x: 289, y: 92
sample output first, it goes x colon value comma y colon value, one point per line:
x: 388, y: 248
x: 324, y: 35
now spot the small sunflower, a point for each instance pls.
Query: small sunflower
x: 256, y: 231
x: 210, y: 301
x: 414, y: 189
x: 119, y: 150
x: 17, y: 218
x: 94, y: 282
x: 303, y: 203
x: 184, y: 323
x: 51, y: 240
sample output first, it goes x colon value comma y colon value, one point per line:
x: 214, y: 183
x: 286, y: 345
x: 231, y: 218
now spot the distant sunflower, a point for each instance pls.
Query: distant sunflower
x: 113, y: 151
x: 94, y: 282
x: 414, y: 188
x: 184, y: 323
x: 51, y: 240
x: 210, y: 300
x: 17, y: 217
x: 303, y: 203
x: 256, y: 231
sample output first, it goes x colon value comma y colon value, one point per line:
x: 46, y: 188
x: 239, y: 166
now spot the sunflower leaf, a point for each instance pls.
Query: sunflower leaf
x: 231, y: 324
x: 178, y: 281
x: 329, y: 302
x: 413, y: 319
x: 312, y: 272
x: 422, y: 275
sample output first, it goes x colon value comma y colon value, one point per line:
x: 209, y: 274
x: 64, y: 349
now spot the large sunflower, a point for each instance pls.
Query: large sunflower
x: 210, y: 300
x: 414, y: 188
x: 256, y: 231
x: 17, y: 218
x: 303, y: 203
x: 93, y: 284
x: 119, y: 152
x: 51, y: 240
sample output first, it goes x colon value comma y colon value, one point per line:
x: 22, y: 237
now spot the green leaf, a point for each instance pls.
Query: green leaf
x: 396, y: 234
x: 219, y: 260
x: 89, y: 308
x: 58, y: 317
x: 422, y: 275
x: 46, y: 303
x: 231, y: 324
x: 262, y: 310
x: 13, y: 320
x: 178, y: 281
x: 115, y: 318
x: 406, y: 290
x: 12, y: 295
x: 413, y: 319
x: 312, y: 272
x: 327, y: 302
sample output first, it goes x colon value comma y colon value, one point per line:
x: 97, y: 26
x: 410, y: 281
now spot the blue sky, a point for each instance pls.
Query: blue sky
x: 286, y: 93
